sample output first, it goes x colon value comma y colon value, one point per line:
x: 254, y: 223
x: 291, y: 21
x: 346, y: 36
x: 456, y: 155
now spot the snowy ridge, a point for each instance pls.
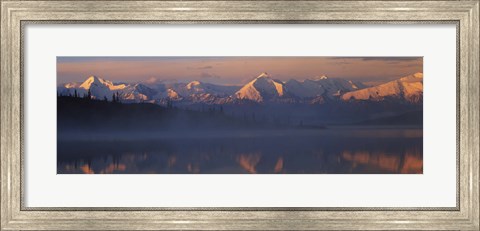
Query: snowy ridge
x: 321, y: 86
x: 197, y: 87
x: 409, y: 88
x: 103, y: 89
x: 94, y: 81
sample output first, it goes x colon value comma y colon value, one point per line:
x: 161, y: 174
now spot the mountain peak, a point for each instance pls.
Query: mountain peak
x: 193, y: 84
x: 99, y: 82
x: 320, y: 77
x: 263, y: 75
x: 92, y: 78
x: 418, y: 75
x: 262, y: 87
x: 88, y: 82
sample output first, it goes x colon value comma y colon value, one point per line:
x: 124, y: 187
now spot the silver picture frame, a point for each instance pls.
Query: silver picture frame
x: 15, y: 15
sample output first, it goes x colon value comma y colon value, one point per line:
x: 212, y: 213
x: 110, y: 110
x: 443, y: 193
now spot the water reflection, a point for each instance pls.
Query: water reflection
x: 336, y: 151
x: 249, y: 161
x: 410, y: 162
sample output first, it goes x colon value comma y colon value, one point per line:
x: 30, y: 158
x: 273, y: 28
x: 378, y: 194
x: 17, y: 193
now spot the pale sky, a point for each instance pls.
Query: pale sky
x: 234, y: 70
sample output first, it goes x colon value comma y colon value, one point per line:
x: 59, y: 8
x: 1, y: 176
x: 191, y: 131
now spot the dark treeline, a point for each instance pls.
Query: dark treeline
x: 409, y: 118
x: 87, y: 114
x: 88, y: 96
x: 320, y: 115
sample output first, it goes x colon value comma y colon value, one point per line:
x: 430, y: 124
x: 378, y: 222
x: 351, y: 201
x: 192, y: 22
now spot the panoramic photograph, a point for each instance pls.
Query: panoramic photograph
x: 239, y: 115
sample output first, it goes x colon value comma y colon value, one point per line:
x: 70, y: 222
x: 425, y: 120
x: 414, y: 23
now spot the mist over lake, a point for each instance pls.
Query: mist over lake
x: 339, y: 150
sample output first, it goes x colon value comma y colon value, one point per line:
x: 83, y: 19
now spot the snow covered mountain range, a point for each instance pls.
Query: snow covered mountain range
x: 408, y: 88
x: 262, y: 89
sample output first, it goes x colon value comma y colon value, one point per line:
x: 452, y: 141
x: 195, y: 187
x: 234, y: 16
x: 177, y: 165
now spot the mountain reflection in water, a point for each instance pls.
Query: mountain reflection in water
x: 330, y: 151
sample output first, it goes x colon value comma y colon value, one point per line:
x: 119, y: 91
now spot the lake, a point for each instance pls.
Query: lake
x: 335, y: 150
